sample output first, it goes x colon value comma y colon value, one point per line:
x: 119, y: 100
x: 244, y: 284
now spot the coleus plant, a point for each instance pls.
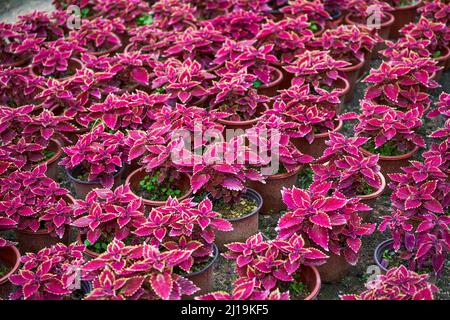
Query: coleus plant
x: 197, y: 44
x: 150, y: 40
x: 99, y: 36
x: 132, y: 12
x: 359, y: 9
x: 396, y: 50
x: 325, y: 217
x: 4, y: 242
x: 314, y: 10
x: 140, y: 272
x: 184, y: 225
x: 348, y: 42
x: 19, y: 87
x: 438, y: 34
x: 25, y: 136
x: 42, y: 25
x: 35, y: 202
x: 258, y: 6
x: 55, y: 58
x: 106, y: 215
x: 256, y: 60
x: 288, y: 37
x: 390, y: 131
x: 173, y: 15
x: 443, y: 111
x: 316, y: 68
x: 238, y: 25
x: 272, y: 264
x: 185, y: 81
x: 235, y: 94
x: 50, y: 274
x: 98, y: 155
x: 347, y: 168
x: 397, y: 284
x: 131, y: 70
x: 245, y: 289
x: 435, y: 10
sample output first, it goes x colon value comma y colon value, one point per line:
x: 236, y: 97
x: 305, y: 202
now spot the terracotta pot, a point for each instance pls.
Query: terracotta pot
x: 19, y: 63
x: 287, y: 77
x: 403, y: 15
x: 10, y: 257
x: 371, y: 199
x: 342, y: 84
x: 318, y: 146
x: 34, y: 241
x: 244, y: 125
x: 82, y: 188
x: 74, y: 65
x: 378, y: 254
x: 108, y: 51
x: 52, y: 163
x: 204, y: 279
x: 88, y: 254
x: 271, y: 88
x: 392, y: 164
x: 335, y: 269
x: 352, y: 74
x: 271, y: 190
x: 243, y: 227
x: 310, y: 276
x: 137, y: 175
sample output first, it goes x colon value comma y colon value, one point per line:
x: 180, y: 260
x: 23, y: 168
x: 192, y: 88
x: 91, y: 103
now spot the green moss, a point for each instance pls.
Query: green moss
x: 144, y: 20
x: 437, y: 54
x: 152, y: 190
x: 99, y: 247
x: 257, y: 83
x: 298, y: 290
x: 364, y: 189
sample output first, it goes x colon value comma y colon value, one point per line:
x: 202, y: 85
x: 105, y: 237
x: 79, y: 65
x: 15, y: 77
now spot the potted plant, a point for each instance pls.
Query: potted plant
x: 351, y: 172
x: 256, y: 60
x: 173, y: 15
x: 391, y: 134
x: 271, y: 134
x: 435, y: 10
x: 397, y: 284
x: 337, y: 10
x: 132, y: 12
x: 310, y: 122
x: 19, y: 87
x: 106, y: 215
x: 99, y: 36
x: 185, y: 225
x: 49, y: 274
x: 284, y: 265
x: 237, y: 25
x: 57, y: 59
x: 236, y: 95
x: 223, y: 171
x: 405, y: 12
x: 96, y: 160
x: 139, y: 272
x: 9, y: 263
x: 314, y: 10
x: 41, y: 209
x: 149, y: 40
x: 41, y: 24
x: 327, y: 220
x: 353, y: 44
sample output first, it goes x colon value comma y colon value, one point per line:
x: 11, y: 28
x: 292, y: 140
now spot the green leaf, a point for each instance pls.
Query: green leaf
x: 87, y: 243
x: 257, y: 83
x: 437, y: 54
x: 84, y: 12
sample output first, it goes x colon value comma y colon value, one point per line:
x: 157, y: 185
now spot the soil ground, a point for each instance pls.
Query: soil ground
x: 224, y: 272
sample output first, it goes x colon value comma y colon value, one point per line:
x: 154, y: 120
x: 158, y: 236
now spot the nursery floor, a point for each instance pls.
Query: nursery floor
x: 224, y: 274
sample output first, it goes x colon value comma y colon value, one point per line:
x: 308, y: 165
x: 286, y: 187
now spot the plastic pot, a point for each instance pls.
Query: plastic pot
x: 82, y: 188
x: 403, y: 15
x: 310, y: 276
x: 246, y: 124
x: 352, y: 74
x: 34, y: 241
x: 335, y: 269
x: 10, y: 257
x: 271, y: 190
x: 137, y: 175
x: 392, y: 164
x: 270, y: 89
x: 74, y: 65
x: 317, y: 147
x: 204, y: 279
x: 378, y: 254
x: 243, y: 227
x: 371, y: 199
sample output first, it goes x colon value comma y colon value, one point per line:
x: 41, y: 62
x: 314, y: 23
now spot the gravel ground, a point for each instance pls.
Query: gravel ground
x: 224, y: 270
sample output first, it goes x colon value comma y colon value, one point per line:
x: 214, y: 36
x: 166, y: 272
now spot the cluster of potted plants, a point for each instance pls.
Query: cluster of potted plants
x: 107, y: 175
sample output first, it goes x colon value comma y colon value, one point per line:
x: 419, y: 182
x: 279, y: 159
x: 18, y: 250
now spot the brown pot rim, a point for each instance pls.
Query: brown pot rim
x: 353, y: 67
x: 443, y: 57
x: 151, y: 202
x: 209, y: 265
x: 378, y: 192
x: 408, y: 7
x: 404, y: 156
x: 317, y: 286
x: 13, y: 270
x: 57, y: 154
x: 256, y: 211
x: 275, y: 82
x: 389, y: 22
x: 326, y: 134
x: 243, y: 123
x: 280, y: 176
x: 69, y: 174
x: 346, y: 88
